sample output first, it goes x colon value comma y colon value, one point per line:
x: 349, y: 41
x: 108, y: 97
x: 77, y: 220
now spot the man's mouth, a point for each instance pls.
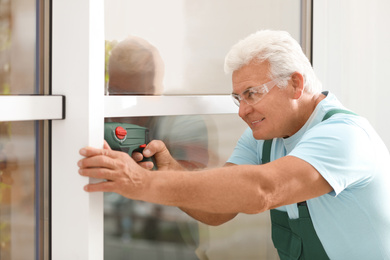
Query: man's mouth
x: 257, y: 121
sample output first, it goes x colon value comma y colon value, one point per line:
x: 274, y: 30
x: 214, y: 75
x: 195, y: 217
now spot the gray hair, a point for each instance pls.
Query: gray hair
x: 283, y: 53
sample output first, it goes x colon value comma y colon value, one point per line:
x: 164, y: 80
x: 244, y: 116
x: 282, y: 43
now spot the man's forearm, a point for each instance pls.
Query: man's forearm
x: 226, y: 190
x: 211, y: 219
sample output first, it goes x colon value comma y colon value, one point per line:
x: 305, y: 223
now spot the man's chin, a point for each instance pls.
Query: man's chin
x: 259, y: 136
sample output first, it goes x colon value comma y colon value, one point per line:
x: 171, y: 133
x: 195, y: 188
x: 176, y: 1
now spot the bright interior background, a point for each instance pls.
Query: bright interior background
x: 351, y: 56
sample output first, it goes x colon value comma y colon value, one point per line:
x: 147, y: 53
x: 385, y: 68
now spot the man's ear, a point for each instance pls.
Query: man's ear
x: 297, y: 82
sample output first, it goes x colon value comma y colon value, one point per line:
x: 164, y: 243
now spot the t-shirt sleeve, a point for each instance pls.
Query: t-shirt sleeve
x: 340, y: 150
x: 246, y: 151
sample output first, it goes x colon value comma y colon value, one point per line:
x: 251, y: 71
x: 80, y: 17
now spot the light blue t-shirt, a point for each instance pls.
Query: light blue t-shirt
x: 353, y: 221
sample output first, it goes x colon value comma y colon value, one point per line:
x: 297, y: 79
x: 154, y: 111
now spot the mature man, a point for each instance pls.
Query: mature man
x: 328, y: 179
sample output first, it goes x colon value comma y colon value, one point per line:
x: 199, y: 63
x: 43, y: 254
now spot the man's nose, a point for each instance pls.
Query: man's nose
x: 244, y: 109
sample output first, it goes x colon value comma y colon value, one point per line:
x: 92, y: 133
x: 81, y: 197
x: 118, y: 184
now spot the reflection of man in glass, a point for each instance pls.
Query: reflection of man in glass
x: 135, y: 67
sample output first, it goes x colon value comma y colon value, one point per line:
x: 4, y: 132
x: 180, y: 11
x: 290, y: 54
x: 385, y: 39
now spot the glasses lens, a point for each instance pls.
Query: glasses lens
x: 236, y: 99
x: 254, y: 95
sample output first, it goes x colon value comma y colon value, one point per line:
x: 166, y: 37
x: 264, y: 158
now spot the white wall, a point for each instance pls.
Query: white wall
x: 351, y: 56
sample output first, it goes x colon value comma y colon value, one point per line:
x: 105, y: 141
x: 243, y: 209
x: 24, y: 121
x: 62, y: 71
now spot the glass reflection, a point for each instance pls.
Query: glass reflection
x: 145, y: 230
x: 148, y: 231
x: 139, y: 230
x: 134, y: 66
x: 17, y: 190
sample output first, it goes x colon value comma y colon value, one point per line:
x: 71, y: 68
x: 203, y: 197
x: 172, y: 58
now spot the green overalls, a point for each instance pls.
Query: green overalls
x: 296, y: 238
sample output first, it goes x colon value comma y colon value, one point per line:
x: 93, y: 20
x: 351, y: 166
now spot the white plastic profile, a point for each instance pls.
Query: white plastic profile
x: 32, y: 107
x: 77, y: 63
x: 127, y: 106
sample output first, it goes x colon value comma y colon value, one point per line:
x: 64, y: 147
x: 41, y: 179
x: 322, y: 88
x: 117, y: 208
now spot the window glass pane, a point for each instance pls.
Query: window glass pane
x: 17, y: 46
x: 191, y: 37
x: 139, y: 230
x: 19, y: 180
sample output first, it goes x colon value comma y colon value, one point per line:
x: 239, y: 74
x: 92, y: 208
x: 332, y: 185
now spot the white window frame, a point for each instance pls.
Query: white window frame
x: 31, y: 107
x: 77, y: 73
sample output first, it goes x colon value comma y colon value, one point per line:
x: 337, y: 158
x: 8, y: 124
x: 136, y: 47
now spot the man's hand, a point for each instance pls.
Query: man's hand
x: 117, y: 170
x: 164, y: 160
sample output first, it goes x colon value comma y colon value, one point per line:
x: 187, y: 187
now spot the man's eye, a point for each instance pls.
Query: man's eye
x: 250, y: 93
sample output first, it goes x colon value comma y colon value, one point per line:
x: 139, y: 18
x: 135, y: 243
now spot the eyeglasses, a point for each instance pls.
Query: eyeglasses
x: 254, y: 94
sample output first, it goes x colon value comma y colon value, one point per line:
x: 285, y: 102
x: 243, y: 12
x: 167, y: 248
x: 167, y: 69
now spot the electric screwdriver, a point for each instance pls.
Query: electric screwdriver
x: 126, y: 137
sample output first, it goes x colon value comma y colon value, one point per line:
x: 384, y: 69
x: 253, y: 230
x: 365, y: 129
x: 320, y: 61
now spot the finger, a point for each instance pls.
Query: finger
x: 137, y: 156
x: 98, y: 173
x: 100, y: 161
x: 147, y: 165
x: 106, y: 145
x: 107, y: 186
x: 155, y: 146
x: 91, y: 151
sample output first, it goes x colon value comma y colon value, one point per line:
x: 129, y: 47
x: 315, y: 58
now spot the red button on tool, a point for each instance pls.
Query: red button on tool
x: 120, y: 132
x: 142, y: 146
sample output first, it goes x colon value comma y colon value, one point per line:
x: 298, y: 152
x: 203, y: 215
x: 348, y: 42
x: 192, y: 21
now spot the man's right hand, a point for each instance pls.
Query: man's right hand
x: 163, y: 158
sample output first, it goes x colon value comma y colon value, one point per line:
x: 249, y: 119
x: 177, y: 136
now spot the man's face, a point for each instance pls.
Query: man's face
x: 269, y: 117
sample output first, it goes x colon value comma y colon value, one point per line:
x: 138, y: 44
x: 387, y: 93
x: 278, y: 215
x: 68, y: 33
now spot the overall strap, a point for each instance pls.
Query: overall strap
x: 335, y: 111
x: 266, y: 156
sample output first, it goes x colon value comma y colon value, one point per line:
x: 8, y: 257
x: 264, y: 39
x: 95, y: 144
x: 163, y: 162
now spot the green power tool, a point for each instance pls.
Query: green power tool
x: 126, y: 137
